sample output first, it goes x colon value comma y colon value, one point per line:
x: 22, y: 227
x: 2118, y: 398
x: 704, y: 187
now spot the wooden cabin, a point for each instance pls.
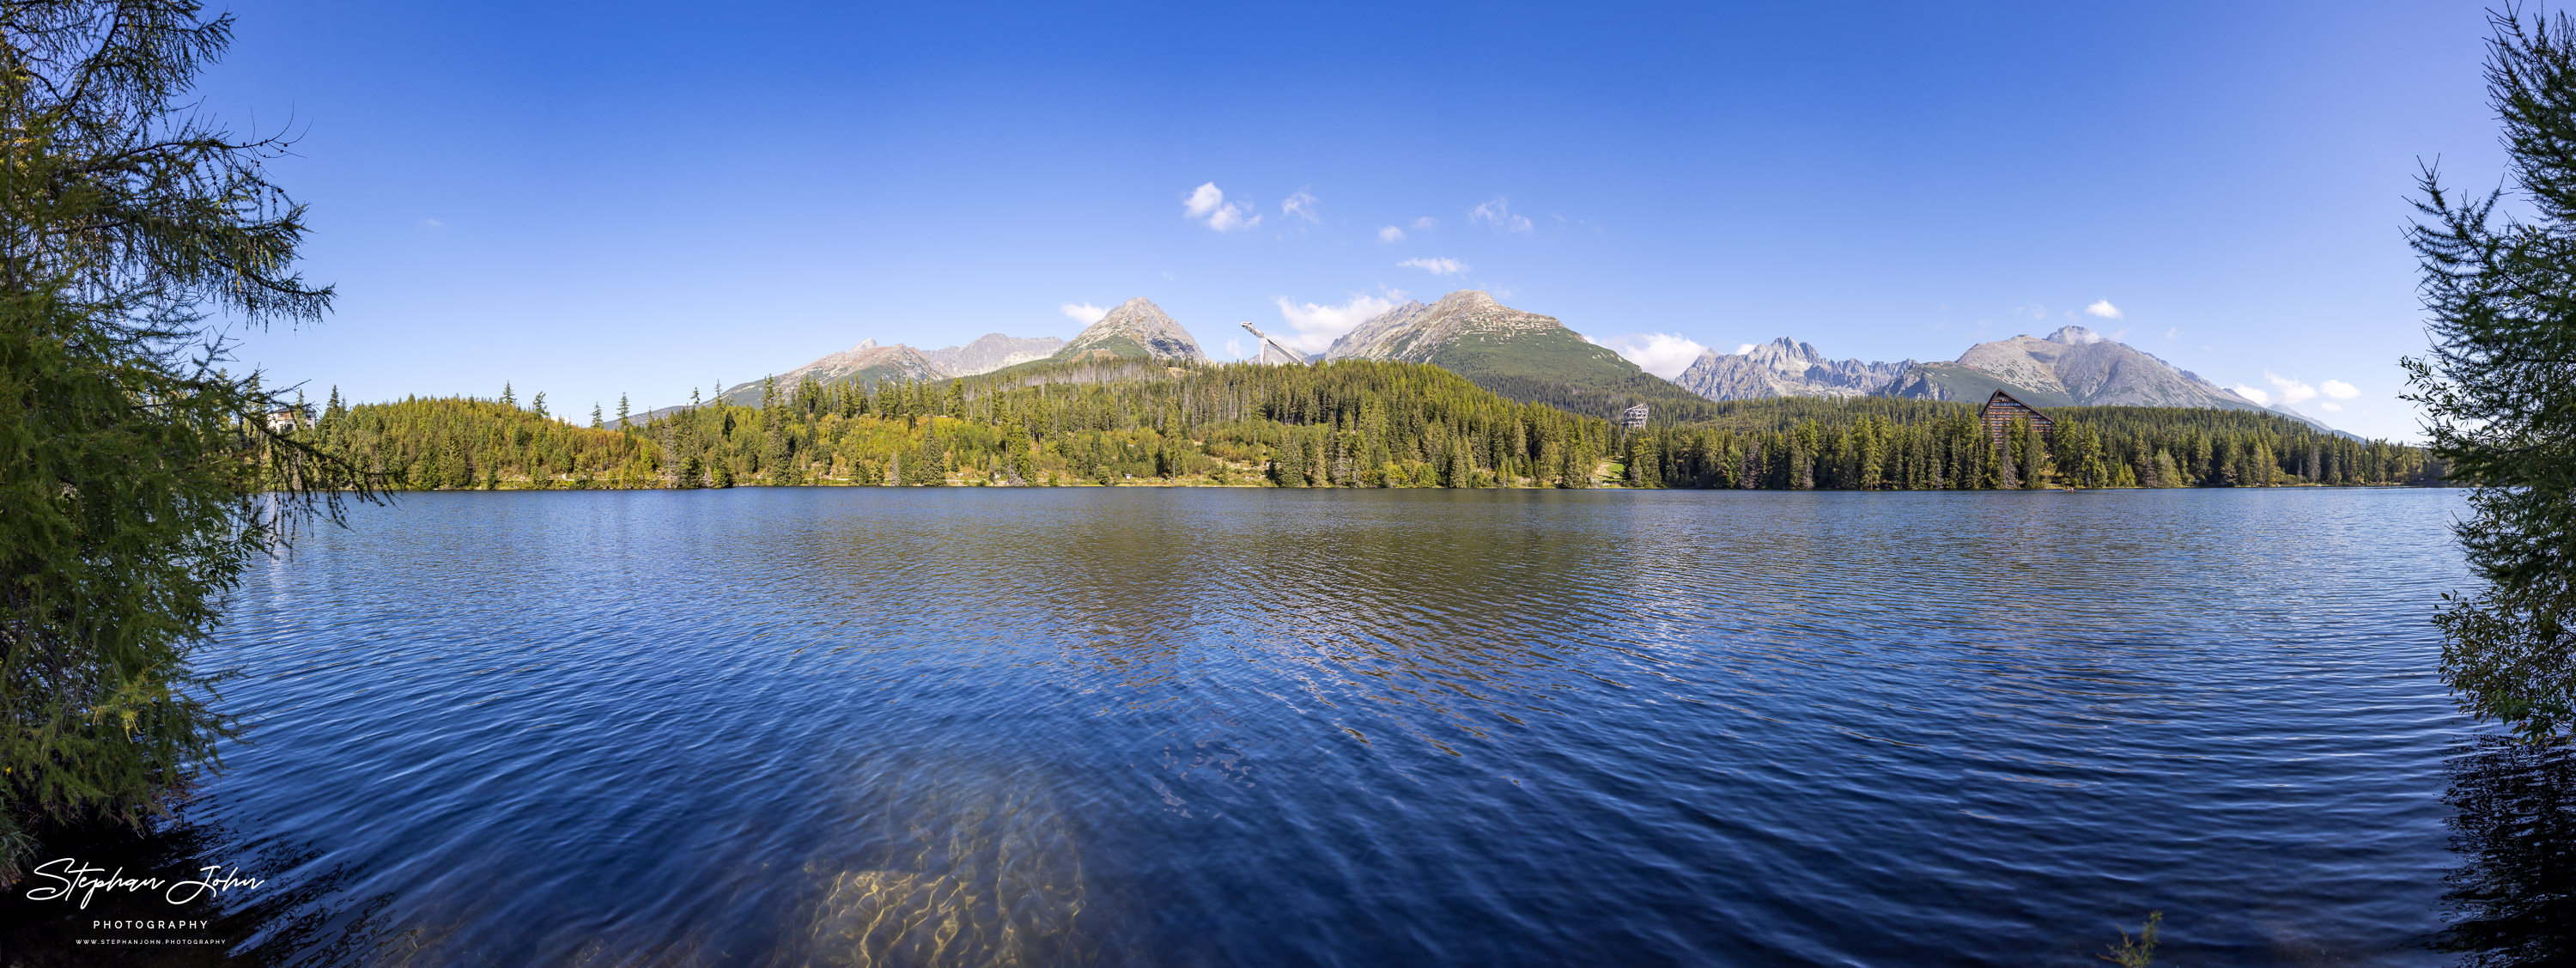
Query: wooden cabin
x: 2001, y: 410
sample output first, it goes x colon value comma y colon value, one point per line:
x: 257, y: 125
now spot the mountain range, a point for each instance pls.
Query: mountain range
x: 2072, y: 367
x: 1531, y: 357
x: 1785, y: 368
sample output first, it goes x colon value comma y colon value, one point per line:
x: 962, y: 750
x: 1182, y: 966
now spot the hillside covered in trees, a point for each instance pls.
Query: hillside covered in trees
x: 430, y: 443
x: 1351, y: 423
x: 1882, y: 443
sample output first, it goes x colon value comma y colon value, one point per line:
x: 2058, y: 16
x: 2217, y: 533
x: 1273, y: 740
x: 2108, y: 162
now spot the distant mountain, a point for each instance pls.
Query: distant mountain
x: 2284, y: 410
x: 992, y: 351
x: 1137, y: 329
x: 867, y: 363
x: 1785, y: 368
x: 1521, y: 355
x: 1958, y: 381
x: 2074, y: 366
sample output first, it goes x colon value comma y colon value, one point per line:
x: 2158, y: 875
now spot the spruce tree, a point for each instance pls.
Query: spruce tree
x: 2497, y: 392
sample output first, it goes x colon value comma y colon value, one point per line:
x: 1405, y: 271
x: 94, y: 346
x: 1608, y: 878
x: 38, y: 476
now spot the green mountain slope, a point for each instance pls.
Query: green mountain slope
x: 1525, y: 356
x: 1967, y: 384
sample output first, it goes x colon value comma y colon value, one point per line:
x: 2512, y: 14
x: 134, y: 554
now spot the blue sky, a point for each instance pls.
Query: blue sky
x: 595, y: 199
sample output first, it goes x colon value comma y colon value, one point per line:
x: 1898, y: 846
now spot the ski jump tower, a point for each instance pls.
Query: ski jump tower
x: 1268, y: 344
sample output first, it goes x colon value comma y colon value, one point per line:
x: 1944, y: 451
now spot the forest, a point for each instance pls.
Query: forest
x: 1878, y: 443
x: 1345, y: 424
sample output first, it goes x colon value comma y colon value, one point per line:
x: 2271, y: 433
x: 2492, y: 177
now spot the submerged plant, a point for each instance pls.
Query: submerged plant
x: 2140, y: 951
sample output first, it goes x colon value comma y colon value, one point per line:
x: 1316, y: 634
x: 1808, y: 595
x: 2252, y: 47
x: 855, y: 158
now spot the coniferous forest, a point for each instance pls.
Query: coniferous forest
x: 1345, y: 424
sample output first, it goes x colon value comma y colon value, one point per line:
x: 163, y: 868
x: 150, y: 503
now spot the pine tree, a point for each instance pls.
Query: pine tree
x: 2499, y: 406
x: 597, y: 420
x: 508, y: 399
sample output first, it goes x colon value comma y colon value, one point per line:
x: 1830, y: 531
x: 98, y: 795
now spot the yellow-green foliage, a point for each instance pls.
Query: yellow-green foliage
x: 427, y: 443
x: 1348, y: 424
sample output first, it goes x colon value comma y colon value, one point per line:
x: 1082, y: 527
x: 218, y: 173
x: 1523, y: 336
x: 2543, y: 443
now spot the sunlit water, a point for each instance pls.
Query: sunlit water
x: 1194, y: 727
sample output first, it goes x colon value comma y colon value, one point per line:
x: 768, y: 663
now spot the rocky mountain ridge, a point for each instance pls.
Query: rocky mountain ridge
x: 1415, y: 333
x: 1534, y: 357
x: 2072, y: 367
x: 992, y: 351
x: 1136, y: 328
x: 1522, y: 355
x: 1786, y: 368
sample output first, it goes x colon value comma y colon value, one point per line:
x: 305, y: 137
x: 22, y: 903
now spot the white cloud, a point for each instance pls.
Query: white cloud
x: 1662, y: 354
x: 2331, y: 406
x: 2260, y: 397
x: 1436, y: 265
x: 1498, y: 213
x: 1234, y: 349
x: 2293, y: 392
x: 1203, y: 199
x: 1743, y: 348
x: 2173, y: 333
x: 2339, y: 389
x: 1426, y: 222
x: 1300, y: 205
x: 2102, y: 308
x: 1317, y: 325
x: 1207, y: 204
x: 1390, y: 234
x: 2032, y: 310
x: 1084, y: 313
x: 432, y: 223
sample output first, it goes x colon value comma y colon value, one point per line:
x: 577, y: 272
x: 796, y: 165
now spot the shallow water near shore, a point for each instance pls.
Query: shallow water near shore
x: 1208, y: 727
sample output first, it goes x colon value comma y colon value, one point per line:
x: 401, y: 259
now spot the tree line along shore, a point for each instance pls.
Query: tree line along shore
x: 1345, y: 424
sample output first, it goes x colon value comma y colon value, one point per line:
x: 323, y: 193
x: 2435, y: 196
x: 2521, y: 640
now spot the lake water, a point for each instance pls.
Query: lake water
x: 1205, y: 727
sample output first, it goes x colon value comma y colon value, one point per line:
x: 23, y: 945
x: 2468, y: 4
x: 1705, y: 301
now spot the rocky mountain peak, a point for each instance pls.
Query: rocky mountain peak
x: 1415, y: 333
x: 1785, y: 368
x: 2073, y: 366
x: 992, y: 351
x: 1466, y: 301
x: 1785, y: 353
x: 1140, y: 324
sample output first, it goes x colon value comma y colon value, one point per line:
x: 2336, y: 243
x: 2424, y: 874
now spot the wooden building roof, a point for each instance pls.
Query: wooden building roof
x: 2002, y: 409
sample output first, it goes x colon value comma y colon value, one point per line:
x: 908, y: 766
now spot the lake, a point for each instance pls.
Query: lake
x: 1232, y: 727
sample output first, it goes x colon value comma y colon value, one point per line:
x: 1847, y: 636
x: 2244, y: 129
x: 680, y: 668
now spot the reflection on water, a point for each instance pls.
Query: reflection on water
x: 2513, y: 898
x: 1139, y: 726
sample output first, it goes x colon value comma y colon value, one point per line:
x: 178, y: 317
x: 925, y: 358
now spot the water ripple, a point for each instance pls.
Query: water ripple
x: 892, y: 727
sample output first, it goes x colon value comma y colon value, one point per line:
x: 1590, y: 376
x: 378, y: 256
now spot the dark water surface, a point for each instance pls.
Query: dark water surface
x: 1195, y: 727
